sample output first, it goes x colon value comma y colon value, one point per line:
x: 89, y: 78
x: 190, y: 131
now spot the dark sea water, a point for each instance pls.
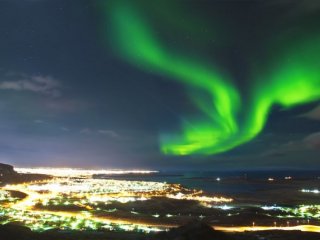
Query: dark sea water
x: 227, y: 182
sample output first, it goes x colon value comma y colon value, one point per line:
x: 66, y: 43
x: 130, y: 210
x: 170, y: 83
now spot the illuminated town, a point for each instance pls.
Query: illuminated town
x: 73, y: 200
x: 76, y: 200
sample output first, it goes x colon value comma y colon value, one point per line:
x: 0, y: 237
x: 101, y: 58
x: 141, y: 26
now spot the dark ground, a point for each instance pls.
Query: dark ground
x: 191, y: 231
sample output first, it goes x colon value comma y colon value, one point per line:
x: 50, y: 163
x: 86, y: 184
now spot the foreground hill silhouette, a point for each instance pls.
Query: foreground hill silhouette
x: 193, y: 230
x: 198, y: 230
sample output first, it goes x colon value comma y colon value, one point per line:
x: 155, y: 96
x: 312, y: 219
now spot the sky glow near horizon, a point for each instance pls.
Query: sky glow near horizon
x: 65, y: 172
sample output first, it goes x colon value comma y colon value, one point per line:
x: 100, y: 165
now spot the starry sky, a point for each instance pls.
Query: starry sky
x: 119, y: 84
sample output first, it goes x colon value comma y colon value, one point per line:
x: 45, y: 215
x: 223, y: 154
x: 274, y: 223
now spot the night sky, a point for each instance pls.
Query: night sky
x: 185, y: 84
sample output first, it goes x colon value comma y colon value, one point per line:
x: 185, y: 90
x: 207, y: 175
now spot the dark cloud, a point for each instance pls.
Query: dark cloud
x: 313, y: 114
x: 296, y: 8
x: 313, y: 141
x: 103, y: 132
x: 46, y: 85
x: 109, y: 133
x: 308, y: 143
x: 38, y: 121
x: 65, y: 105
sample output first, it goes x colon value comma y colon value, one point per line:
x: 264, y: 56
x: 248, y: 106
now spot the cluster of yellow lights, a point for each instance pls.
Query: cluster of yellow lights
x: 72, y: 199
x: 300, y: 211
x: 303, y: 228
x: 196, y: 197
x: 316, y: 191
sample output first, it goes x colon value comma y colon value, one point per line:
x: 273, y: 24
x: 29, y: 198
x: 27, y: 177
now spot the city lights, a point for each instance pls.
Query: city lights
x: 74, y: 200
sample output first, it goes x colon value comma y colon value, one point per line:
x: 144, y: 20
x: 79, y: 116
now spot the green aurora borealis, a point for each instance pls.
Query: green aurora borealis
x: 229, y: 117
